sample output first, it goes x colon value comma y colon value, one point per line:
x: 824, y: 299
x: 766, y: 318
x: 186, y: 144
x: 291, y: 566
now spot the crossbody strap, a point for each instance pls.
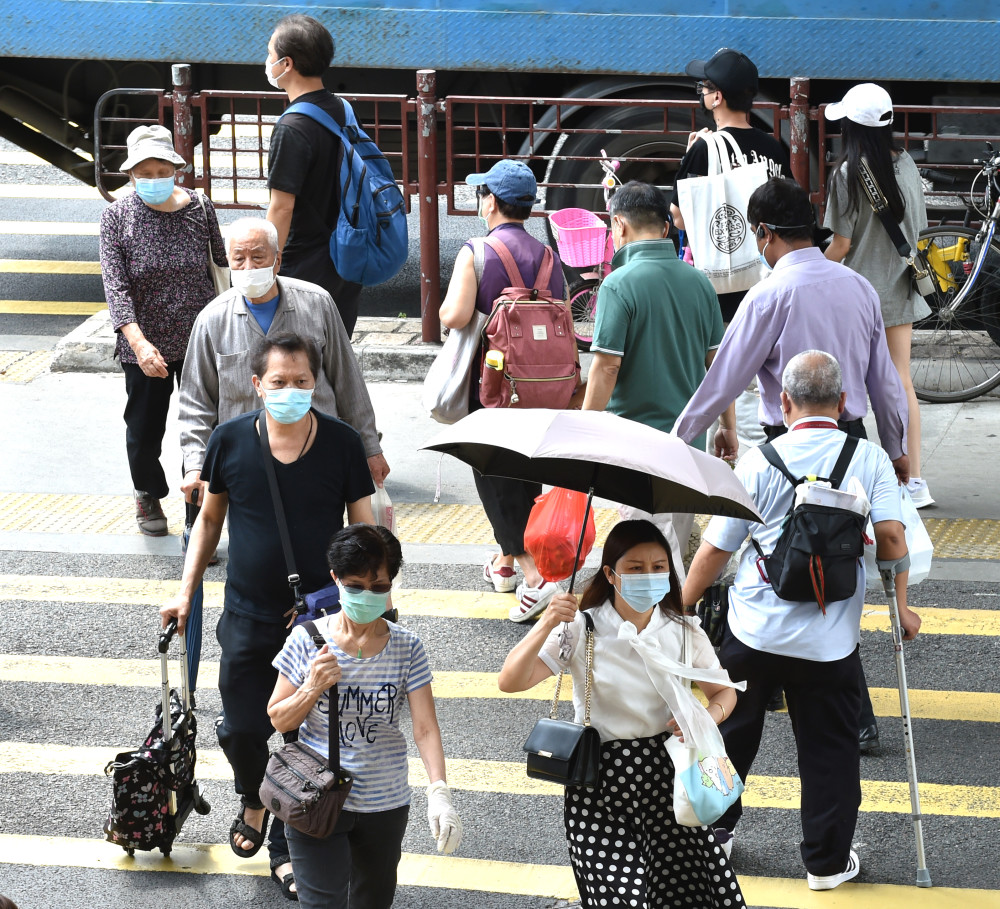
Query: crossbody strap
x: 294, y: 580
x: 333, y: 747
x: 877, y: 200
x: 590, y: 674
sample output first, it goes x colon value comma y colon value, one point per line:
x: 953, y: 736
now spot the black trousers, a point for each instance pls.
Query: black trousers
x: 823, y: 703
x: 507, y: 504
x: 855, y: 429
x: 316, y: 265
x: 145, y: 423
x: 246, y: 682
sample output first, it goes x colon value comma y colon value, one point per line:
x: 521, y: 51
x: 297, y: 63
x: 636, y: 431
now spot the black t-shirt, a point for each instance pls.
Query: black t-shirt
x: 756, y: 146
x: 304, y: 160
x: 315, y: 490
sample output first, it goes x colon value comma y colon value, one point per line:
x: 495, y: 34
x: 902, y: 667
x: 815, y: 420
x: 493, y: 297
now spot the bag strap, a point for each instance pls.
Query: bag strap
x: 843, y: 462
x: 725, y: 143
x: 478, y: 257
x: 774, y: 459
x: 294, y: 580
x: 350, y: 129
x: 590, y: 674
x: 507, y: 260
x: 877, y: 200
x: 333, y: 747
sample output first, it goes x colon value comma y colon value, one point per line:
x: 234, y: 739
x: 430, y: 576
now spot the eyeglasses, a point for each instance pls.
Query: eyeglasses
x: 702, y: 87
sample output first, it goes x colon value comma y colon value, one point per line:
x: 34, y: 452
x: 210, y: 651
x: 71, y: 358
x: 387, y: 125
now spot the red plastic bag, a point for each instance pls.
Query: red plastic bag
x: 553, y: 532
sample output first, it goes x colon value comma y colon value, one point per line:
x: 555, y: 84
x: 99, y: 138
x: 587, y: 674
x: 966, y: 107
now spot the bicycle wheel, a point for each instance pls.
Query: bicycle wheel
x: 583, y: 307
x: 955, y: 355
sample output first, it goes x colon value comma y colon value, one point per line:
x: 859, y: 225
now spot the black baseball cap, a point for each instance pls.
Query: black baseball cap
x: 728, y: 70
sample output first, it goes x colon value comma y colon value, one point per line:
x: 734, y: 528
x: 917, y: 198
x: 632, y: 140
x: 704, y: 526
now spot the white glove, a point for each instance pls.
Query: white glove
x: 446, y: 826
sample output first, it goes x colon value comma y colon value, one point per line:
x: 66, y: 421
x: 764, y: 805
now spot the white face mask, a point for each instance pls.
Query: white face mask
x: 269, y: 68
x: 253, y: 282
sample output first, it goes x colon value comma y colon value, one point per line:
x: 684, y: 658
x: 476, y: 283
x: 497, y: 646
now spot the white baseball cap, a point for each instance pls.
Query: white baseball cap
x: 866, y: 104
x: 150, y: 142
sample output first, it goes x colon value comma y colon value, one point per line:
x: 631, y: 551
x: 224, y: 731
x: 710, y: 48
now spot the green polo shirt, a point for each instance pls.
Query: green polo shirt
x: 661, y: 316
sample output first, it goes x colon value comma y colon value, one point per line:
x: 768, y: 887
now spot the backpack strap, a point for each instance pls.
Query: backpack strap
x: 315, y: 112
x: 767, y: 449
x: 507, y: 260
x: 843, y: 462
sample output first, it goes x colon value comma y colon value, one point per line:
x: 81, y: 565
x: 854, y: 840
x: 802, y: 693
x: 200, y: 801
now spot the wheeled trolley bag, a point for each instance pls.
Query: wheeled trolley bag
x: 154, y: 786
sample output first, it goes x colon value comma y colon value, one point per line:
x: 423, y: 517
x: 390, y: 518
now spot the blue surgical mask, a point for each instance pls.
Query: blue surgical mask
x: 156, y: 191
x: 643, y: 591
x: 763, y: 261
x: 362, y: 606
x: 479, y: 212
x: 288, y: 405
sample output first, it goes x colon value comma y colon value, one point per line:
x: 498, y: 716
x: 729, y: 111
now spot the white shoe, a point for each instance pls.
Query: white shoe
x: 532, y: 600
x: 503, y: 578
x: 919, y: 492
x: 829, y: 881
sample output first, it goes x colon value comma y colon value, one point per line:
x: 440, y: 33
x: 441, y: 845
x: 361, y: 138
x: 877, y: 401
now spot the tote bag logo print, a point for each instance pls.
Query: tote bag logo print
x: 728, y: 229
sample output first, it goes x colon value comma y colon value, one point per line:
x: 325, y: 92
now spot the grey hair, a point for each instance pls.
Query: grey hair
x: 813, y: 377
x: 243, y: 226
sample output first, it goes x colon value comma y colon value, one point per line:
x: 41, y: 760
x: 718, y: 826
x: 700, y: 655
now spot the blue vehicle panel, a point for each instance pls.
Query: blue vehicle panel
x: 858, y: 39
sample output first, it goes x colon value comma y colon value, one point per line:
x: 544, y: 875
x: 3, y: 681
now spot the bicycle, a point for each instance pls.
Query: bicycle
x: 584, y: 241
x: 955, y: 353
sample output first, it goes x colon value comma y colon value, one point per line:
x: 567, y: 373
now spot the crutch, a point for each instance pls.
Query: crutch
x: 192, y: 628
x: 887, y: 570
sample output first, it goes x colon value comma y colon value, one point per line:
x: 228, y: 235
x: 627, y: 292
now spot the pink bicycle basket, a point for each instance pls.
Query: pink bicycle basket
x: 580, y: 235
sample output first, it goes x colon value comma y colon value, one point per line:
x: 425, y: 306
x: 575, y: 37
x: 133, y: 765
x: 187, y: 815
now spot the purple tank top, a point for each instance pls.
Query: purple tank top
x: 527, y: 253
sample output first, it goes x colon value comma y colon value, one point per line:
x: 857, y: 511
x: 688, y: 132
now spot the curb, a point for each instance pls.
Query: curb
x: 388, y: 350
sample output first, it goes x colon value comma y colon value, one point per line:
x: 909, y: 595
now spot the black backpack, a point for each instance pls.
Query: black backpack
x: 816, y: 557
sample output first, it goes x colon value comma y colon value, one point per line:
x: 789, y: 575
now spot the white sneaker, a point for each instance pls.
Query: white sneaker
x: 503, y: 578
x: 532, y: 600
x: 919, y: 492
x: 829, y: 881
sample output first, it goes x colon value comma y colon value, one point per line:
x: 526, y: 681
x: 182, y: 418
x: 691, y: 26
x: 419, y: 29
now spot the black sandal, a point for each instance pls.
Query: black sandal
x: 241, y: 827
x: 286, y: 882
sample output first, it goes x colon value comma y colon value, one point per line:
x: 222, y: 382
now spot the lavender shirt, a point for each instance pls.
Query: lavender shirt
x: 155, y: 270
x: 806, y: 303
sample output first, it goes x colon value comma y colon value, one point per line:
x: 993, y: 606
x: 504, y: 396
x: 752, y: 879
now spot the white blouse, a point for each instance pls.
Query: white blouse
x: 624, y: 702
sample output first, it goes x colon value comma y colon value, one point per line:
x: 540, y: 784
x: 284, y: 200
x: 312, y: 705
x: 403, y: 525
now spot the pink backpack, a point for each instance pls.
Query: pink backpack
x: 534, y: 333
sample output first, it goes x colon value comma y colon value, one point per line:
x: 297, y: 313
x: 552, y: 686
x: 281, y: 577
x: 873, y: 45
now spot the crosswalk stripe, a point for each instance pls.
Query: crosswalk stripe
x: 441, y: 604
x: 51, y: 307
x: 50, y: 228
x: 508, y: 777
x: 468, y: 874
x: 953, y: 706
x: 48, y: 267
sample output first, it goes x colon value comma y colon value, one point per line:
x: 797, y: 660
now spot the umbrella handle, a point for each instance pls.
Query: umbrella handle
x: 583, y: 533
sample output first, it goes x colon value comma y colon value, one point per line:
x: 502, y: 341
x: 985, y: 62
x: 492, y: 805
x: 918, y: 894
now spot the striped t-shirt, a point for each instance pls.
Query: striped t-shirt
x: 372, y: 747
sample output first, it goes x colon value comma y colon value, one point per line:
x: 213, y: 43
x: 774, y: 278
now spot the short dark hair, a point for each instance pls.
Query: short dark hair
x: 361, y: 550
x: 507, y: 209
x: 785, y: 205
x: 643, y: 205
x: 623, y: 536
x: 290, y: 343
x: 741, y: 100
x: 306, y: 41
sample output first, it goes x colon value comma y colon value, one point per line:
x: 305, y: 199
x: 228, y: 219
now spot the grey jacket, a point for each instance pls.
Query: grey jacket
x: 215, y: 382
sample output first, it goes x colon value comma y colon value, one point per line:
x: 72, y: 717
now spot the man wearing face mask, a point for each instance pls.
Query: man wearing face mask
x: 806, y: 302
x: 303, y: 161
x: 656, y: 330
x: 215, y: 383
x: 321, y: 468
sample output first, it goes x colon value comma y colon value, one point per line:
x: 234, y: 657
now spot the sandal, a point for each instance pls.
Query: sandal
x: 287, y: 881
x: 241, y: 827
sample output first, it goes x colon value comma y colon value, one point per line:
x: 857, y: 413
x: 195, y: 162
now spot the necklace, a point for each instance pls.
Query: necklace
x: 308, y: 436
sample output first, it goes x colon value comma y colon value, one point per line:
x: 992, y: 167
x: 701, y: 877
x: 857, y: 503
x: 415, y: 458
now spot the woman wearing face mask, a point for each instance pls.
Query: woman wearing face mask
x: 375, y: 663
x: 634, y: 600
x: 154, y: 261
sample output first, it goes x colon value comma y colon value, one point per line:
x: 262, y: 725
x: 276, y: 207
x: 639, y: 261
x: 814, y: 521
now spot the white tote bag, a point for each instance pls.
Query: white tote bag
x: 918, y: 544
x: 714, y: 208
x: 448, y: 381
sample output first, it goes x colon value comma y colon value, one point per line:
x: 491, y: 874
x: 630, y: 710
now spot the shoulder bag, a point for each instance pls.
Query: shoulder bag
x: 920, y: 274
x: 218, y: 273
x: 301, y: 787
x: 561, y: 751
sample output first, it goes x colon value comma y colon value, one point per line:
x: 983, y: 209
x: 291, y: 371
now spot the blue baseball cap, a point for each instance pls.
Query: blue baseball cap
x: 511, y: 181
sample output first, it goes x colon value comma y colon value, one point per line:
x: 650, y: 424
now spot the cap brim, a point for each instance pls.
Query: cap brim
x: 696, y: 69
x: 476, y: 179
x: 835, y: 111
x: 131, y: 162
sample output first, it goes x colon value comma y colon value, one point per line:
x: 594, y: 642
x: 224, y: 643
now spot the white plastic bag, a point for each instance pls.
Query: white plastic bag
x: 918, y: 543
x: 382, y: 507
x: 715, y: 216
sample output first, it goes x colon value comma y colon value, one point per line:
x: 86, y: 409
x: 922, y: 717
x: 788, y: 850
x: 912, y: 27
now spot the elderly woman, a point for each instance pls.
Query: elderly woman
x: 155, y: 247
x: 375, y: 663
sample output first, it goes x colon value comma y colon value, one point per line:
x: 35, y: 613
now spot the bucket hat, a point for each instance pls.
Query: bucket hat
x: 150, y: 142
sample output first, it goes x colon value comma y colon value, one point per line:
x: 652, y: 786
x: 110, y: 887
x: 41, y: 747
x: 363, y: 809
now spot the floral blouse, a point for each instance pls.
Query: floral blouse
x: 155, y: 270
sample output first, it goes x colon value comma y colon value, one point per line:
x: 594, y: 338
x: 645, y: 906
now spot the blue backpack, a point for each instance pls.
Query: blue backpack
x: 369, y: 244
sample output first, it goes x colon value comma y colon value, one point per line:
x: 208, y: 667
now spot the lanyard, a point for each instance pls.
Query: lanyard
x: 816, y: 424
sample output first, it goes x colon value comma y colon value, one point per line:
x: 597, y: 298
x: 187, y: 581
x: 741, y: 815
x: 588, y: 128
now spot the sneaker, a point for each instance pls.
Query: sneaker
x: 504, y: 579
x: 919, y: 492
x: 532, y: 600
x: 829, y: 881
x: 149, y: 515
x: 725, y: 839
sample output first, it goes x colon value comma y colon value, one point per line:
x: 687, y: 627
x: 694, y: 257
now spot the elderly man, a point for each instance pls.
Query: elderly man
x: 321, y: 469
x: 215, y: 382
x: 813, y: 654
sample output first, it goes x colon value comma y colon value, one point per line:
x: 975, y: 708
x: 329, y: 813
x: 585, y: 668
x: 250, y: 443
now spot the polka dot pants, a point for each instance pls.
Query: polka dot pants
x: 626, y: 847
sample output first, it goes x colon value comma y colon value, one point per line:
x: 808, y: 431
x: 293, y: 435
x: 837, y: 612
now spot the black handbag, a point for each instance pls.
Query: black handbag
x: 301, y: 787
x: 712, y: 610
x: 563, y: 752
